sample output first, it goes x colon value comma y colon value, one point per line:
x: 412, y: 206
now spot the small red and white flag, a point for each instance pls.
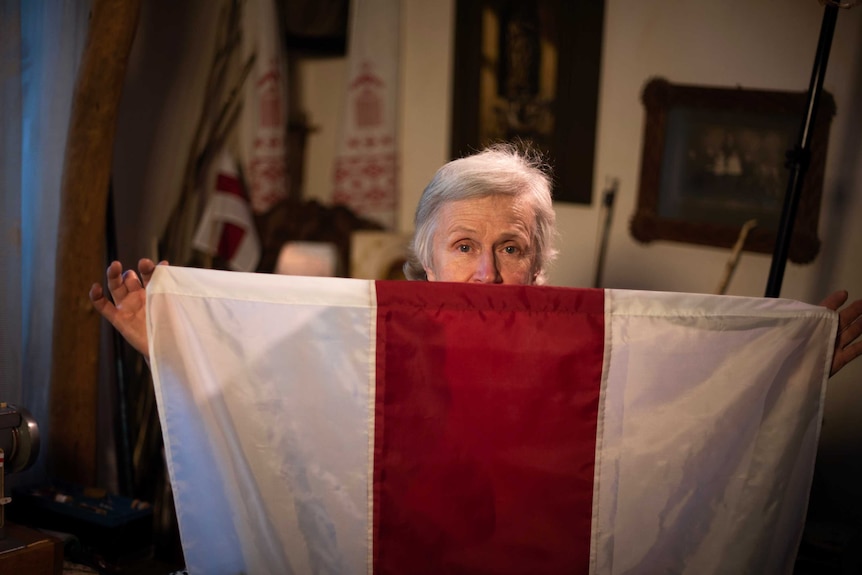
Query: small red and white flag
x: 323, y: 425
x: 366, y: 163
x: 227, y: 227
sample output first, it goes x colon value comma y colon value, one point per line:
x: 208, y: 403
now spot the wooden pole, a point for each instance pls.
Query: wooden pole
x: 71, y: 449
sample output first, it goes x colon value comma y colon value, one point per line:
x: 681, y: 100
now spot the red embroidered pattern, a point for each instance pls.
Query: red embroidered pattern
x: 366, y: 183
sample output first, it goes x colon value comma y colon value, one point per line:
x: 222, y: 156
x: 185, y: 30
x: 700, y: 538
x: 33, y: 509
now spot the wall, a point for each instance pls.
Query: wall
x: 769, y: 44
x: 766, y: 44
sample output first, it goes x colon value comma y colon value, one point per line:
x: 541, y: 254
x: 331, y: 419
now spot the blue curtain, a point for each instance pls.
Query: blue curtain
x: 40, y: 48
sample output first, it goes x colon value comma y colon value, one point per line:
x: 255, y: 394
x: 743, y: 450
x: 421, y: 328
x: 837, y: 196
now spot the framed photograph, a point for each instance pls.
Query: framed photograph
x: 714, y: 158
x: 528, y: 70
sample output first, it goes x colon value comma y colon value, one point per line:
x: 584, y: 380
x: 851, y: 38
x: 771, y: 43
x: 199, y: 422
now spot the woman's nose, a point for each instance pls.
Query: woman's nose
x: 487, y: 271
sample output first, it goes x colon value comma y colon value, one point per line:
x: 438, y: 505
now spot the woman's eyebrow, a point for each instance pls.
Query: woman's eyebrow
x: 460, y: 229
x: 515, y: 232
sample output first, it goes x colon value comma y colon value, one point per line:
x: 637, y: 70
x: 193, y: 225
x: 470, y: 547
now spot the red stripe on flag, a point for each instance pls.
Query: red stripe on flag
x: 485, y: 428
x: 231, y: 238
x: 229, y: 184
x: 231, y: 234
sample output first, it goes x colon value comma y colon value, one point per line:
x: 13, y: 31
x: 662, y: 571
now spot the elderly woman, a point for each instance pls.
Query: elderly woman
x: 485, y: 218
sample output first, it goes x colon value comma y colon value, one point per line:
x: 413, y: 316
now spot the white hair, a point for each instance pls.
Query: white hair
x: 499, y: 169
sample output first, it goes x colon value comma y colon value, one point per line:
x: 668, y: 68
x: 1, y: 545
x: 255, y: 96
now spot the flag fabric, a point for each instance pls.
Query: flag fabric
x: 366, y: 163
x: 329, y: 425
x: 227, y: 227
x: 263, y: 121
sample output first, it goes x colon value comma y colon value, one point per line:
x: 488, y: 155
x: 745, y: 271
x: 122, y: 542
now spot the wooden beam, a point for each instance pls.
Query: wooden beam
x: 71, y: 445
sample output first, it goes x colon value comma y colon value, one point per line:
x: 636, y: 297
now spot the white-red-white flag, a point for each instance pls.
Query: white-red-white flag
x: 366, y: 163
x: 227, y: 227
x: 321, y: 425
x: 263, y: 121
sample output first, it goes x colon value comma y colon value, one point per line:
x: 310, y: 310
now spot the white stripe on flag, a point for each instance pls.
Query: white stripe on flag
x: 709, y: 432
x: 281, y: 448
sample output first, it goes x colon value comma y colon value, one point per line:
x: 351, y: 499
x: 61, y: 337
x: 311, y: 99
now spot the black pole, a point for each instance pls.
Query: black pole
x: 608, y: 204
x: 799, y: 156
x: 125, y: 470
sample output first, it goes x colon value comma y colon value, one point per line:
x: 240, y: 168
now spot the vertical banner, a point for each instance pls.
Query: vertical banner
x: 263, y: 124
x: 366, y: 163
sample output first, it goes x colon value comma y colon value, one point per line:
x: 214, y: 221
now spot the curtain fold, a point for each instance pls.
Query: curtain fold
x: 10, y: 202
x: 40, y: 48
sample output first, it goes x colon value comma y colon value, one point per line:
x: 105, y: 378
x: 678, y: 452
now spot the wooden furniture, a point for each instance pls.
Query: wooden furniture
x: 41, y: 554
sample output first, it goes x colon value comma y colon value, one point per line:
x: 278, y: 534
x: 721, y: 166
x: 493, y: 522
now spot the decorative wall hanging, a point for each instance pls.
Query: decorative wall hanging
x: 714, y: 158
x: 528, y: 70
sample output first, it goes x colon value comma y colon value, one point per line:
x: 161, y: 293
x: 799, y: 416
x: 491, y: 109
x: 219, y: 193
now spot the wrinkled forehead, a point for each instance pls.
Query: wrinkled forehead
x: 498, y: 212
x: 518, y: 201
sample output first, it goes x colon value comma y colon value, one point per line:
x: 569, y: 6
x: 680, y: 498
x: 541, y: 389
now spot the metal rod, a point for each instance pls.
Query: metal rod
x: 608, y: 205
x: 125, y: 471
x: 798, y: 157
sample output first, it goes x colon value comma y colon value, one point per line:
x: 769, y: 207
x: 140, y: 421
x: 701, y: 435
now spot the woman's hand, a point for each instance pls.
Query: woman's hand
x: 128, y: 310
x: 849, y: 329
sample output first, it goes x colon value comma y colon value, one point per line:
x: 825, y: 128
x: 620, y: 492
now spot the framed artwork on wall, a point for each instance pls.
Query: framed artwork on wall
x: 528, y: 70
x: 714, y: 158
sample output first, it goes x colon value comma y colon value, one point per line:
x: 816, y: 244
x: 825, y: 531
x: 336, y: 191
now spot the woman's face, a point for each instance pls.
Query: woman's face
x: 484, y: 240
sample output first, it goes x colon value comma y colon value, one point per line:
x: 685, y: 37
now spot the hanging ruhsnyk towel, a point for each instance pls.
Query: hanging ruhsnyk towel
x: 366, y: 165
x: 263, y: 123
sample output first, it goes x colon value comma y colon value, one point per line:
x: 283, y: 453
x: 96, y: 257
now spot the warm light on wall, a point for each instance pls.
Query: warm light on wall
x: 850, y: 4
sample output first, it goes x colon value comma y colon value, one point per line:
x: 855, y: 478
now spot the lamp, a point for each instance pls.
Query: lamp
x: 19, y: 448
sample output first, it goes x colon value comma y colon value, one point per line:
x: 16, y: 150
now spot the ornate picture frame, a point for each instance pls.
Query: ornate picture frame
x: 714, y: 158
x: 528, y: 70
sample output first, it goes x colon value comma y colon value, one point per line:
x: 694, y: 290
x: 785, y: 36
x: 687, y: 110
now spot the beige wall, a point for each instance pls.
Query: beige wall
x: 767, y: 44
x: 764, y: 44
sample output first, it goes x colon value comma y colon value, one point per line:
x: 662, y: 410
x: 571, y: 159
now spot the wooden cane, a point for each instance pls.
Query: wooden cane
x: 71, y: 445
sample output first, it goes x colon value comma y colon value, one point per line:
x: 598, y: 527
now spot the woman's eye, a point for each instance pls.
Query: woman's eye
x: 510, y: 250
x: 463, y: 248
